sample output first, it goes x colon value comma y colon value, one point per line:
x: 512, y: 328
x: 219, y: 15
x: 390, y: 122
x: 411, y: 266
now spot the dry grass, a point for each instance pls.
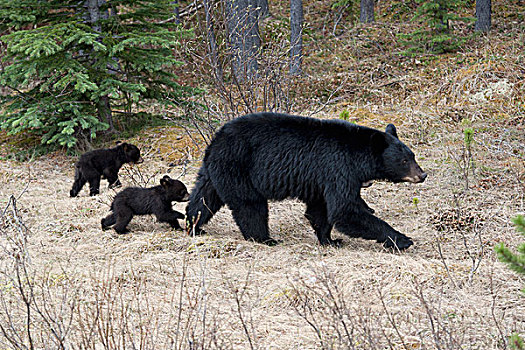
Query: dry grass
x: 157, y: 288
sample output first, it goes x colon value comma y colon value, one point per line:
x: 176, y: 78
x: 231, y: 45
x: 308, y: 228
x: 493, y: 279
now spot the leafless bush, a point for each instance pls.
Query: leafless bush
x: 28, y: 318
x: 421, y: 321
x: 215, y: 61
x: 465, y: 222
x: 320, y: 301
x: 243, y: 306
x: 46, y: 307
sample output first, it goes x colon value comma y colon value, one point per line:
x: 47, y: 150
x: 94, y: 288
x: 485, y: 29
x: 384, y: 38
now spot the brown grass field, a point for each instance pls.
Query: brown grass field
x: 66, y: 284
x: 157, y: 286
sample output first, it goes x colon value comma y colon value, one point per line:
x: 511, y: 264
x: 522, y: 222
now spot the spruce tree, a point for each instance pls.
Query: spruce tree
x: 435, y: 36
x: 70, y: 64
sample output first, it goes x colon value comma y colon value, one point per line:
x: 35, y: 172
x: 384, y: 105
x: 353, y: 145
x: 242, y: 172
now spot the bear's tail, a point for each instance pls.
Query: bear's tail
x: 204, y: 202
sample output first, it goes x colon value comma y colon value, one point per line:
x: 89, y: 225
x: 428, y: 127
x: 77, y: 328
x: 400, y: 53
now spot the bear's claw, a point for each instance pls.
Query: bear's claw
x: 400, y: 242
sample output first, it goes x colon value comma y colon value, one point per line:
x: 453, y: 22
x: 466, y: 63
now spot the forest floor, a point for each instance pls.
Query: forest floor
x: 159, y: 288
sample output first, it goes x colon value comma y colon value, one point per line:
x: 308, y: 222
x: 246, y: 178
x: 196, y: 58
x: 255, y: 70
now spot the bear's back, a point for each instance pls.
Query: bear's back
x: 264, y: 128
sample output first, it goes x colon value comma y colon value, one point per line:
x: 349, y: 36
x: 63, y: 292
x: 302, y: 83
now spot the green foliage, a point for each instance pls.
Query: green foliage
x: 469, y: 137
x: 351, y: 7
x: 59, y: 66
x: 515, y: 262
x: 345, y: 115
x: 516, y: 343
x: 436, y: 35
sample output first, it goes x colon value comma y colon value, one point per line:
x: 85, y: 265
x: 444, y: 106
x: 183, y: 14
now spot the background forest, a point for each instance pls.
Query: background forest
x: 164, y: 75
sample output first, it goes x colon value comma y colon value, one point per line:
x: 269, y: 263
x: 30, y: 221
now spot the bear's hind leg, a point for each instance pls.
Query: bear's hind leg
x: 108, y: 221
x: 79, y: 182
x: 252, y: 219
x: 123, y: 217
x: 317, y: 216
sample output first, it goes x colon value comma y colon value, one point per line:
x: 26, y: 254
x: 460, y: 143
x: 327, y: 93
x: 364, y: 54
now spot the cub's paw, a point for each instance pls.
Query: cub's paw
x: 122, y: 232
x: 332, y: 242
x: 175, y: 225
x: 271, y: 242
x: 195, y: 232
x: 103, y: 224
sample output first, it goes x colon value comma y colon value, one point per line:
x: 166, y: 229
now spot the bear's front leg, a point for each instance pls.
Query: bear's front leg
x: 170, y: 217
x: 111, y: 175
x: 365, y: 225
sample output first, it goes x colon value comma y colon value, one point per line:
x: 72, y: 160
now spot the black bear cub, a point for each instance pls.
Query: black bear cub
x: 103, y: 163
x: 324, y: 163
x: 141, y: 201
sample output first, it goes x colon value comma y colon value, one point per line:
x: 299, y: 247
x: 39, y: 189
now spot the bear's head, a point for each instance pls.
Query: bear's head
x: 398, y: 161
x: 176, y: 191
x: 131, y: 153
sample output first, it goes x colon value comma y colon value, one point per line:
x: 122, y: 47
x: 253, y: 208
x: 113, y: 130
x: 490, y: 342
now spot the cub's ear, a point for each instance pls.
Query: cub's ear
x: 378, y: 142
x: 391, y: 129
x: 165, y: 181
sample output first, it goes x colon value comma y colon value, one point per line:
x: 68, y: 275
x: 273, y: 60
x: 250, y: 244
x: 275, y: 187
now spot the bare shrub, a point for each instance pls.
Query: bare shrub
x: 268, y: 88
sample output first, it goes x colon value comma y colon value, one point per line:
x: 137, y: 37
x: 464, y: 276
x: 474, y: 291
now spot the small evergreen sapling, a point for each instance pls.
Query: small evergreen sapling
x: 436, y: 37
x: 515, y: 262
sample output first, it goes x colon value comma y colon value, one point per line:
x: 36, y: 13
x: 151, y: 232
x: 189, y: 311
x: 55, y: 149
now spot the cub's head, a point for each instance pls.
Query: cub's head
x: 398, y: 161
x: 131, y: 153
x: 176, y: 191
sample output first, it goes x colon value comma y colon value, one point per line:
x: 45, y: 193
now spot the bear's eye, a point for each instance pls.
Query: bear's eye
x: 405, y: 161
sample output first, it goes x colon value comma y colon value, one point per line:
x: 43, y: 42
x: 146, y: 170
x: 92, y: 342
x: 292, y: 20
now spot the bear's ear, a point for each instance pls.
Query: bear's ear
x: 391, y: 129
x: 378, y: 142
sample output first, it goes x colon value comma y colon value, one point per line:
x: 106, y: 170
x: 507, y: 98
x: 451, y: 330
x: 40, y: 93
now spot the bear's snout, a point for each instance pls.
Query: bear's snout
x: 416, y: 175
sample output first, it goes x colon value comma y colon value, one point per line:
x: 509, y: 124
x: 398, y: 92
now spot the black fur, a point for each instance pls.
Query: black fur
x: 103, y: 163
x: 270, y: 156
x: 141, y: 201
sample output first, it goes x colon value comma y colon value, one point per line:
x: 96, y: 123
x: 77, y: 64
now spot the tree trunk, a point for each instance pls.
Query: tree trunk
x: 264, y: 9
x: 92, y: 16
x: 296, y: 38
x: 367, y: 11
x: 105, y: 113
x: 483, y: 15
x: 93, y: 13
x: 176, y: 11
x: 212, y: 43
x: 243, y: 34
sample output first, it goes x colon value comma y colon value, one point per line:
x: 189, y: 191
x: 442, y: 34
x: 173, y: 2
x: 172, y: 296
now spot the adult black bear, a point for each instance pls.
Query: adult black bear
x: 103, y: 163
x: 323, y: 163
x: 141, y: 201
